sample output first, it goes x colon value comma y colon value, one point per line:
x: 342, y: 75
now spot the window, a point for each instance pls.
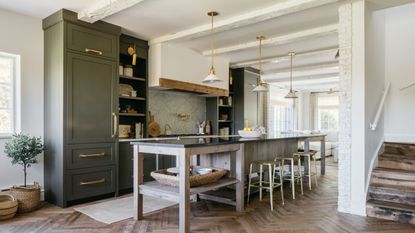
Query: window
x: 281, y: 112
x: 328, y: 113
x: 8, y: 78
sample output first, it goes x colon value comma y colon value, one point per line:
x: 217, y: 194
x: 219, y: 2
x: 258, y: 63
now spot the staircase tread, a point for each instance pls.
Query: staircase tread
x: 400, y: 156
x: 391, y: 186
x: 401, y: 143
x: 382, y: 169
x: 387, y: 204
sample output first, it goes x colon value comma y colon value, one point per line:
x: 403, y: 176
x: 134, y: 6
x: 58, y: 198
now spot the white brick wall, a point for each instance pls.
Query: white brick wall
x: 345, y: 121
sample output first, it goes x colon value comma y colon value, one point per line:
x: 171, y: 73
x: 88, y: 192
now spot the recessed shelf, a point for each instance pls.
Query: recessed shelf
x: 132, y: 114
x: 133, y: 78
x: 224, y: 121
x: 132, y: 98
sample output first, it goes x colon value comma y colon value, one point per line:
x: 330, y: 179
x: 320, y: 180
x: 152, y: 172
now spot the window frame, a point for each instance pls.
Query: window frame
x: 15, y: 95
x: 325, y: 107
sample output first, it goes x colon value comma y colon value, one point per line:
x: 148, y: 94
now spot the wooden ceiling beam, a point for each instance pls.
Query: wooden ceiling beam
x: 253, y: 17
x: 279, y: 40
x: 105, y: 8
x: 285, y: 57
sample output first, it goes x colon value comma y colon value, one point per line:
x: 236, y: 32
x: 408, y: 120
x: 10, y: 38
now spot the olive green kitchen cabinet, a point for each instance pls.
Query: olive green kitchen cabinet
x: 80, y: 108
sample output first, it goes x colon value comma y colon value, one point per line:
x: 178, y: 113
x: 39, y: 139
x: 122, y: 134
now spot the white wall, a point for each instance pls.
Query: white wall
x: 23, y: 35
x: 400, y: 71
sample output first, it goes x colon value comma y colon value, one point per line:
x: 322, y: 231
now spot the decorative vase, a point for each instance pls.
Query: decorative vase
x: 28, y: 197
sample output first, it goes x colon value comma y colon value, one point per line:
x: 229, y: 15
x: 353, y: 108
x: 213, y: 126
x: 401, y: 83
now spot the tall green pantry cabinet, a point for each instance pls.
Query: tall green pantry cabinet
x: 81, y: 108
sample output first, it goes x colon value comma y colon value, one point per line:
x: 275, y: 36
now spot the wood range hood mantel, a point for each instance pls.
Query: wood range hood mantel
x: 192, y: 87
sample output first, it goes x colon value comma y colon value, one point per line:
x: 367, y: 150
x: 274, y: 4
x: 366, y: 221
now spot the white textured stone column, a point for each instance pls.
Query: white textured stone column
x: 345, y: 121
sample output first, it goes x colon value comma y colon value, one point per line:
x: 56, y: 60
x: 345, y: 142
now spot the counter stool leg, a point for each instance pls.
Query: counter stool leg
x: 309, y: 171
x: 271, y: 186
x: 301, y: 175
x: 260, y: 182
x: 315, y: 169
x: 292, y: 178
x: 281, y: 184
x: 249, y: 183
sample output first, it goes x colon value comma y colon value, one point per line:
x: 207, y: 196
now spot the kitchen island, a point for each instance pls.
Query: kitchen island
x: 232, y: 153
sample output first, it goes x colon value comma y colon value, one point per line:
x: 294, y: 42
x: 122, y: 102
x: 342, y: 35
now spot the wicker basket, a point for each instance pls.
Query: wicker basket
x: 164, y: 177
x: 28, y: 197
x: 8, y: 206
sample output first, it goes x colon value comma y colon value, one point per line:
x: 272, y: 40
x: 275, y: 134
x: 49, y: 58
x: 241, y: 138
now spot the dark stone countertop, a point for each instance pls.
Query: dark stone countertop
x: 199, y: 141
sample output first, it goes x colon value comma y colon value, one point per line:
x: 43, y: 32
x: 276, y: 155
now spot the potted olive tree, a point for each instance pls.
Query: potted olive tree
x: 23, y: 150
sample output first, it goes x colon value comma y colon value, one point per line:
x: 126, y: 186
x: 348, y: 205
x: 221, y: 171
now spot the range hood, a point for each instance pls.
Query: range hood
x: 181, y: 69
x: 177, y: 85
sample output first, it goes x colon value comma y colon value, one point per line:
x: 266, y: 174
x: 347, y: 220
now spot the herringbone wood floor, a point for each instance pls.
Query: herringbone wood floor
x: 313, y: 212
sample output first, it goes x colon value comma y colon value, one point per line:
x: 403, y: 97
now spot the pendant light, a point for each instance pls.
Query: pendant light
x: 291, y: 94
x: 261, y: 86
x: 212, y: 78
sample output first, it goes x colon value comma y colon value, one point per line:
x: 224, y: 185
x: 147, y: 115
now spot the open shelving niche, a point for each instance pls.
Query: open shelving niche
x: 139, y: 83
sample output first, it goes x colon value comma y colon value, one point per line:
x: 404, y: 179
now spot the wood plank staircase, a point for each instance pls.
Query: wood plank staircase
x: 391, y: 193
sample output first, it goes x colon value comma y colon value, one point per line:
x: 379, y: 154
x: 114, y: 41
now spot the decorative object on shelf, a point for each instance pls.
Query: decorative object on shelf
x: 125, y: 89
x: 291, y: 94
x: 23, y: 150
x: 124, y: 131
x: 134, y: 93
x: 121, y: 70
x: 198, y: 176
x: 208, y: 128
x: 224, y: 131
x: 167, y: 129
x: 8, y: 206
x: 153, y: 126
x: 261, y: 86
x: 128, y: 70
x: 223, y: 117
x: 133, y: 52
x: 139, y: 130
x: 212, y: 78
x: 201, y: 127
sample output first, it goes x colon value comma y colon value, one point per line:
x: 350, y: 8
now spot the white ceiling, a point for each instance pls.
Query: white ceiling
x: 152, y: 19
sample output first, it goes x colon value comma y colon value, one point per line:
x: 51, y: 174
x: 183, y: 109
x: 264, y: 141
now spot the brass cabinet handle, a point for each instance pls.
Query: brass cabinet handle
x: 92, y: 155
x: 93, y: 51
x: 114, y: 124
x: 92, y: 182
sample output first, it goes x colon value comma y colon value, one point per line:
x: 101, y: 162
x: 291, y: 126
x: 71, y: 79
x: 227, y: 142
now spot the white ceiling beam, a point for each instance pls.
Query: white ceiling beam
x: 279, y: 40
x: 105, y: 8
x: 286, y: 78
x: 253, y: 17
x: 309, y: 68
x: 285, y: 57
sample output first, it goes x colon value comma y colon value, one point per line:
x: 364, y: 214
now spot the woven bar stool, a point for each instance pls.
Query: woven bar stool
x: 310, y: 156
x: 293, y: 175
x: 273, y: 180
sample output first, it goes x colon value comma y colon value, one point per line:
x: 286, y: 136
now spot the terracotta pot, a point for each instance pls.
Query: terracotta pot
x: 28, y: 197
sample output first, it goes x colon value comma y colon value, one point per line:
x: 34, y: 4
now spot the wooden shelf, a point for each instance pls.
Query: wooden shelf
x: 133, y: 78
x: 153, y: 188
x: 224, y: 121
x: 132, y: 114
x: 225, y: 106
x: 132, y: 97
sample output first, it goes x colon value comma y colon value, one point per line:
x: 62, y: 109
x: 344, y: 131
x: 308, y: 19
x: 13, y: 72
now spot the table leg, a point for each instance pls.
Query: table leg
x: 184, y: 191
x: 138, y: 180
x: 239, y: 174
x: 323, y: 156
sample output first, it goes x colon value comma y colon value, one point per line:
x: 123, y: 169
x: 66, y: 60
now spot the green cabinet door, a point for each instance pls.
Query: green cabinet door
x: 91, y: 100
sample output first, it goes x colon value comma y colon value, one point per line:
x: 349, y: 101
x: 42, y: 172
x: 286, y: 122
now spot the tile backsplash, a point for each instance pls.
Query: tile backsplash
x: 166, y: 105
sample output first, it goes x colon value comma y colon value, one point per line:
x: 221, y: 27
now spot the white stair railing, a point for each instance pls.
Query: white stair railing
x: 374, y: 123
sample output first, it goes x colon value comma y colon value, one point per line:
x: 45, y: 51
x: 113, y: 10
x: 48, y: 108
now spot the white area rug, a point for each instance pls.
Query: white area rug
x: 116, y: 210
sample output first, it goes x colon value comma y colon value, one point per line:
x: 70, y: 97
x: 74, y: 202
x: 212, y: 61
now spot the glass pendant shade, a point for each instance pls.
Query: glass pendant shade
x: 291, y: 94
x: 261, y: 86
x: 211, y: 77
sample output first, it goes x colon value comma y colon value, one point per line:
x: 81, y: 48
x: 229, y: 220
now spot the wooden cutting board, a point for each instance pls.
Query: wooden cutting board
x: 153, y: 127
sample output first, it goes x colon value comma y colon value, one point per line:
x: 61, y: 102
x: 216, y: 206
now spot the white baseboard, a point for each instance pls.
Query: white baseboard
x: 395, y: 137
x: 42, y: 192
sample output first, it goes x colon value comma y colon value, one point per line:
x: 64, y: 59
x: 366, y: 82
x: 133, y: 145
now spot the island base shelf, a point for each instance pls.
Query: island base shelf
x: 171, y: 193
